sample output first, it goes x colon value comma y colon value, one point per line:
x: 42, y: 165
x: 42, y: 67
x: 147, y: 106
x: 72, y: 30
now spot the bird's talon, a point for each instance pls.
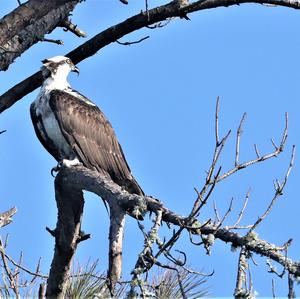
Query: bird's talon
x: 57, y: 168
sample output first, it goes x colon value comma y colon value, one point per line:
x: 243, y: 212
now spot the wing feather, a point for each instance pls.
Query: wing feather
x: 92, y: 137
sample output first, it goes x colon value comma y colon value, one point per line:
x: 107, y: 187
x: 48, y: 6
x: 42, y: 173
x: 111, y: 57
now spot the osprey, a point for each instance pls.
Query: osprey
x: 74, y: 130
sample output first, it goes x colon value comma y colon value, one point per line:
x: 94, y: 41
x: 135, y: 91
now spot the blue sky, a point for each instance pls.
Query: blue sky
x: 160, y: 96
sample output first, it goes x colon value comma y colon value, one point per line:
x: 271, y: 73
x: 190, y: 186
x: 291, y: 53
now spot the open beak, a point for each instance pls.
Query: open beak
x: 75, y: 69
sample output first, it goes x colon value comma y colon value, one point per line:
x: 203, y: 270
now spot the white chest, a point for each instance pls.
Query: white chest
x: 50, y: 126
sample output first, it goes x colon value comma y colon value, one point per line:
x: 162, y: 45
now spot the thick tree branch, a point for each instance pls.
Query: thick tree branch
x: 241, y: 290
x: 116, y: 233
x: 112, y: 34
x: 27, y: 24
x: 93, y: 181
x: 24, y: 15
x: 70, y: 204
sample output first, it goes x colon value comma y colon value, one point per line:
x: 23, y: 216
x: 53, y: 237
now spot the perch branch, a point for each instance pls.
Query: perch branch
x: 70, y: 204
x: 95, y: 182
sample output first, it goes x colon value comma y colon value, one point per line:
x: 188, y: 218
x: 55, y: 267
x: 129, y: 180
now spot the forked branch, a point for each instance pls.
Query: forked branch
x: 275, y: 153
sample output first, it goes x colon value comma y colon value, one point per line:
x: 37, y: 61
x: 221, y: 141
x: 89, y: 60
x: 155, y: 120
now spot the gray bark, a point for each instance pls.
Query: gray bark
x: 67, y: 234
x: 28, y: 24
x: 132, y: 24
x: 116, y: 233
x: 93, y: 181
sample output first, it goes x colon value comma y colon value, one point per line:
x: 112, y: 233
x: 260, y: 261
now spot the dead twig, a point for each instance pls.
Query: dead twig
x: 278, y: 191
x: 242, y: 210
x: 13, y: 281
x: 69, y: 26
x: 54, y: 41
x: 134, y: 42
x: 6, y: 217
x: 226, y: 214
x: 238, y: 139
x: 275, y: 153
x: 160, y: 24
x: 273, y: 288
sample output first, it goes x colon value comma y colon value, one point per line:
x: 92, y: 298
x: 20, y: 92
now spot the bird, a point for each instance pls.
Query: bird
x: 74, y: 130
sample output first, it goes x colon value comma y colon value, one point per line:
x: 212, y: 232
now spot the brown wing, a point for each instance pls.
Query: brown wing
x: 92, y: 138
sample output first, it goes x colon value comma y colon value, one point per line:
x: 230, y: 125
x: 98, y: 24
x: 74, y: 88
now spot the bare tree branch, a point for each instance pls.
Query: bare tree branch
x: 134, y: 42
x: 23, y: 15
x: 35, y: 273
x: 241, y: 290
x: 5, y: 218
x: 278, y: 192
x: 115, y: 32
x: 275, y: 153
x: 68, y: 25
x: 242, y: 210
x: 291, y: 293
x: 273, y: 288
x: 28, y: 24
x: 50, y: 40
x: 238, y: 140
x: 145, y: 257
x: 70, y: 204
x: 13, y: 282
x: 94, y: 182
x: 116, y: 232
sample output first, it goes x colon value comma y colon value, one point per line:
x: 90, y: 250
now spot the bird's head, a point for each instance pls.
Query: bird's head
x: 58, y: 67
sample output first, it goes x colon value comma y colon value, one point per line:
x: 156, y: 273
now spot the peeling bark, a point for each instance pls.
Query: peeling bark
x: 28, y: 24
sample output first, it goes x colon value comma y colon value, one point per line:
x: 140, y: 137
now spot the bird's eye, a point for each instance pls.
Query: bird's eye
x: 69, y: 61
